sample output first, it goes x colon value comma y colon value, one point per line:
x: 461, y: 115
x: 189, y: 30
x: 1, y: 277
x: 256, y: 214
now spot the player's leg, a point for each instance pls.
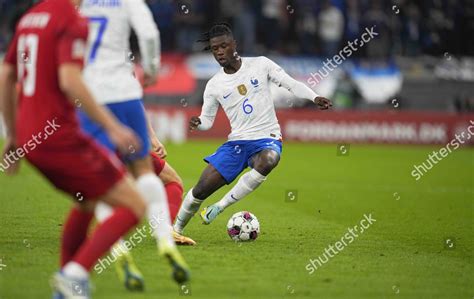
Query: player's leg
x: 262, y: 164
x: 264, y: 157
x: 265, y: 161
x: 172, y: 181
x: 125, y: 267
x: 75, y: 230
x: 152, y: 189
x: 209, y: 182
x: 127, y: 271
x: 128, y: 210
x: 132, y: 114
x: 174, y: 191
x: 93, y: 173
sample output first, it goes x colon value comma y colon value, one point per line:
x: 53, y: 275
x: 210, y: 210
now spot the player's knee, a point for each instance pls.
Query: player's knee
x: 169, y: 175
x: 134, y: 203
x: 124, y: 195
x: 273, y: 160
x: 141, y: 167
x: 174, y: 178
x: 177, y: 179
x: 137, y: 203
x: 267, y: 164
x: 139, y: 208
x: 149, y: 184
x: 200, y: 193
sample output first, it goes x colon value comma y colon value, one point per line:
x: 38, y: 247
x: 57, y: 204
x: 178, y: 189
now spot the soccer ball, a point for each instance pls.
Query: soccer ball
x: 243, y: 226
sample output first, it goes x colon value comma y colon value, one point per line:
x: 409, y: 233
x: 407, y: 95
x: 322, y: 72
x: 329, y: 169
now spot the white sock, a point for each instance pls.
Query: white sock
x: 153, y: 190
x: 246, y: 184
x: 188, y: 208
x: 102, y: 212
x: 75, y: 271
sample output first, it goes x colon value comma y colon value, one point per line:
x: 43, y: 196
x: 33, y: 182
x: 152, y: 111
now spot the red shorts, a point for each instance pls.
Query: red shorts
x: 78, y: 166
x: 158, y: 163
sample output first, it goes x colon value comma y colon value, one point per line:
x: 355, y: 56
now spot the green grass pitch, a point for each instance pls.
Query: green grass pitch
x: 404, y: 254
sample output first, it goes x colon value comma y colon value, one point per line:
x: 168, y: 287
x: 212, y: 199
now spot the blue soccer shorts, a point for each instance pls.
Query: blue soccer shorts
x: 233, y: 157
x: 131, y: 114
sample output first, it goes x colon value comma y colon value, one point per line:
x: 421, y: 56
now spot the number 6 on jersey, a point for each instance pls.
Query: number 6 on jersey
x: 247, y: 107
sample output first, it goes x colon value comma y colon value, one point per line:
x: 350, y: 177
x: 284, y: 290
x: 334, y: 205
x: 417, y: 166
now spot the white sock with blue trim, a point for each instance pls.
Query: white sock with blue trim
x: 189, y: 207
x: 246, y: 184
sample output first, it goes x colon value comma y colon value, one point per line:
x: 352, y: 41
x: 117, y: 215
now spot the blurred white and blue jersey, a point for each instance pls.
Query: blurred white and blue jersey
x: 246, y: 99
x: 109, y: 69
x: 109, y: 66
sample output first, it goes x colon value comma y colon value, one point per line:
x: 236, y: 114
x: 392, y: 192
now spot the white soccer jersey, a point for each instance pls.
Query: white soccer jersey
x: 109, y: 69
x: 246, y: 99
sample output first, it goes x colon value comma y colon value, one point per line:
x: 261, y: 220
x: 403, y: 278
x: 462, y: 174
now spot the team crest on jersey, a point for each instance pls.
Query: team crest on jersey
x: 254, y: 82
x: 242, y: 89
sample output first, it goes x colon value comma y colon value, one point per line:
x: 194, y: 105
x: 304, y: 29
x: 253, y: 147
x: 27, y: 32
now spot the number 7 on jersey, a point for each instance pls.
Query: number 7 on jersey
x: 102, y: 25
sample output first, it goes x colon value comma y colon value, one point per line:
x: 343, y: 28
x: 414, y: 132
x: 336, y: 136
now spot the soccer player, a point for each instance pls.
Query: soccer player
x: 45, y: 58
x: 242, y: 88
x: 109, y: 75
x: 127, y: 271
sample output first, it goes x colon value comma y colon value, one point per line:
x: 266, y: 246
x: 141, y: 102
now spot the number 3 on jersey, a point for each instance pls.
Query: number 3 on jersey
x: 27, y: 55
x: 247, y: 107
x: 99, y: 33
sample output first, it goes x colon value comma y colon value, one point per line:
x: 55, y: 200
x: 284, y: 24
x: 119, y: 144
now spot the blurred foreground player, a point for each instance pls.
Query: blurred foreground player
x: 109, y: 75
x: 45, y: 58
x: 127, y: 271
x: 242, y: 88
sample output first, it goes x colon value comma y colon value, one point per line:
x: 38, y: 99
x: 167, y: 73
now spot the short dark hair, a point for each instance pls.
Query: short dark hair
x: 217, y: 29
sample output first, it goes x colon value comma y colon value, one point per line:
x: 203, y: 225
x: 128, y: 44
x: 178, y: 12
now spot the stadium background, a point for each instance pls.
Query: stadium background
x: 412, y: 83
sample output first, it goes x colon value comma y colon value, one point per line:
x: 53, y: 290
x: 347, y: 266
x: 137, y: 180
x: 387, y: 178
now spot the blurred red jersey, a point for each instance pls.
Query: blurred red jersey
x: 49, y: 34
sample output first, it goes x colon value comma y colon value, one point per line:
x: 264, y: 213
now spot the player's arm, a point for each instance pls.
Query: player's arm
x: 148, y: 37
x: 156, y: 145
x: 278, y: 76
x: 8, y: 97
x: 8, y: 101
x: 71, y: 83
x: 208, y: 113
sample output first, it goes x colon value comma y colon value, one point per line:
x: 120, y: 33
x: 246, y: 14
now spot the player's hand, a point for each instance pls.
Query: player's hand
x: 194, y: 123
x: 149, y: 80
x: 158, y: 147
x: 125, y: 139
x: 323, y: 103
x: 13, y: 168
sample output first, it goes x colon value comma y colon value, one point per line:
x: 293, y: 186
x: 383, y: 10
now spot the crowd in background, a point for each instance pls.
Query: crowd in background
x: 306, y: 27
